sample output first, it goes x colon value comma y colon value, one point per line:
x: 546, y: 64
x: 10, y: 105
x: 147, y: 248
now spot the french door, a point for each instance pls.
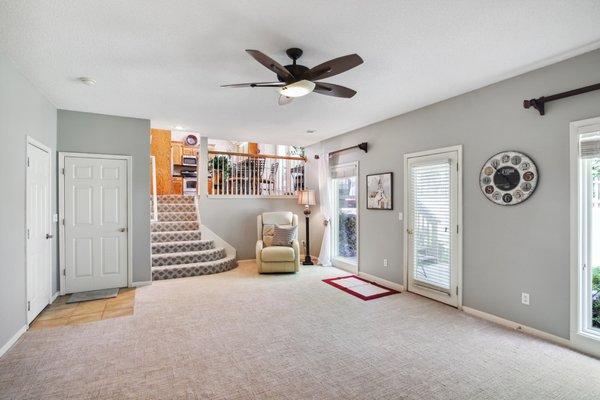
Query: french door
x: 585, y: 208
x: 433, y: 235
x: 344, y: 186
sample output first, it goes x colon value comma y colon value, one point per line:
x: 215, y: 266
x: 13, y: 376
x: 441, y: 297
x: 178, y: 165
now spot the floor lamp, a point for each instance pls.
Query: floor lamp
x: 307, y: 198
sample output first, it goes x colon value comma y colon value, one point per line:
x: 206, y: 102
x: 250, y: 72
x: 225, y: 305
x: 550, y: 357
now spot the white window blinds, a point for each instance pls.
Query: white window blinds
x: 430, y: 207
x: 343, y: 171
x: 589, y: 145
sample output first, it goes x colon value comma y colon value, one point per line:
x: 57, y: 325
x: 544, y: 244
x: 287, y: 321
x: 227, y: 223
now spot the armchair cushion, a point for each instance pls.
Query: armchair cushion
x: 284, y: 235
x: 278, y: 254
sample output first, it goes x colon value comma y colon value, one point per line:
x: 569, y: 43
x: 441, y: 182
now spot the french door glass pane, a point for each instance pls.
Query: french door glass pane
x: 345, y: 232
x: 431, y: 219
x: 593, y: 171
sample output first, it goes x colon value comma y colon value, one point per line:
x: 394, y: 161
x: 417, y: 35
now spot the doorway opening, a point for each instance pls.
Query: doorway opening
x: 345, y: 198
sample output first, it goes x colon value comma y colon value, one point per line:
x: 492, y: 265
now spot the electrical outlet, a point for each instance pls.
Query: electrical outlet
x: 400, y: 216
x: 385, y: 264
x: 525, y: 298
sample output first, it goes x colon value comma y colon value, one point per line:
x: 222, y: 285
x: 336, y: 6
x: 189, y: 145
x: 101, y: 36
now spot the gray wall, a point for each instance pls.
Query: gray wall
x: 23, y: 111
x: 234, y: 219
x: 507, y: 250
x: 105, y: 134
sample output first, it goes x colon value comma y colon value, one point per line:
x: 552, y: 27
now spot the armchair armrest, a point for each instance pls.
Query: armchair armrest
x: 296, y: 247
x: 259, y: 248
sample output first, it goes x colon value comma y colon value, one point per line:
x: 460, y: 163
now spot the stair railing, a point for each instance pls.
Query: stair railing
x: 233, y: 174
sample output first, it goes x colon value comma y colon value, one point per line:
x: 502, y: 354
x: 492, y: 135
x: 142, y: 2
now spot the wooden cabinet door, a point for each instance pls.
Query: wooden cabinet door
x: 177, y: 186
x: 189, y: 151
x: 176, y: 153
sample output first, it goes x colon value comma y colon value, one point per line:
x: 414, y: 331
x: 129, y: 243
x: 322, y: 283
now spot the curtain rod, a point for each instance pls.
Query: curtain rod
x: 363, y: 146
x: 540, y: 103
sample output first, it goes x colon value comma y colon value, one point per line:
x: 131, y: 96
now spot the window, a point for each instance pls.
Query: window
x: 585, y: 209
x: 345, y: 216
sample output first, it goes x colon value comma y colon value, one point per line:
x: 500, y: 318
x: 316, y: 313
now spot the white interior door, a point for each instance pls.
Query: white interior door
x: 432, y: 225
x: 95, y: 225
x: 39, y: 232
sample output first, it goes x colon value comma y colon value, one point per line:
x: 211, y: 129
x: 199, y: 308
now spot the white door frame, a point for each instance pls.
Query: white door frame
x: 31, y: 141
x: 580, y: 338
x: 61, y: 212
x: 459, y: 214
x: 341, y: 264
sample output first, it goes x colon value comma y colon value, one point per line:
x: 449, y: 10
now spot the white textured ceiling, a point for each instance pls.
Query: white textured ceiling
x: 165, y: 60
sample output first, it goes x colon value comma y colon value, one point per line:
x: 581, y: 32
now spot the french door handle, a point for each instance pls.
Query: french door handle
x: 123, y: 230
x: 49, y: 236
x: 409, y: 231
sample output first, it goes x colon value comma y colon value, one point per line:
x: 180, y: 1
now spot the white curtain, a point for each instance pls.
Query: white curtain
x: 325, y: 203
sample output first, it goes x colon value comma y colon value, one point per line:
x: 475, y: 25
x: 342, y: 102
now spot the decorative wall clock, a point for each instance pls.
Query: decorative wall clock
x: 508, y: 178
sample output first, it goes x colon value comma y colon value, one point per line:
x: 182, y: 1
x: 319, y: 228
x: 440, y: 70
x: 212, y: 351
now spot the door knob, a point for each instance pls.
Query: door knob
x: 409, y: 231
x: 49, y: 236
x: 123, y: 230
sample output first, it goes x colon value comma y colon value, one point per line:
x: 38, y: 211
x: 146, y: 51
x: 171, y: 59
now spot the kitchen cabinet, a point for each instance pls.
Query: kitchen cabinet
x: 176, y: 153
x: 161, y: 150
x: 190, y: 151
x: 177, y: 185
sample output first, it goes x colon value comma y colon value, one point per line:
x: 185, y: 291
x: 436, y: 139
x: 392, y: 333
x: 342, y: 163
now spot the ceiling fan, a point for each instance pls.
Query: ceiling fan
x: 296, y: 80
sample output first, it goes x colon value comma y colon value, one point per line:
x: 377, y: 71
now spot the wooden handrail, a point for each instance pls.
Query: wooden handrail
x: 231, y: 153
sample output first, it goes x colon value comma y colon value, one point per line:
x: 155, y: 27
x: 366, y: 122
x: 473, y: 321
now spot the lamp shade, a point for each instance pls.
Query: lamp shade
x: 307, y: 197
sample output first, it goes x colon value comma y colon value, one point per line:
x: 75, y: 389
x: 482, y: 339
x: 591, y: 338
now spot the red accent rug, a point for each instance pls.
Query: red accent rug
x: 359, y: 287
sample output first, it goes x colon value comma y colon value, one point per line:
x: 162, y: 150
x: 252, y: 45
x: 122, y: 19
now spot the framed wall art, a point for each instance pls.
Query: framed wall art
x: 380, y: 194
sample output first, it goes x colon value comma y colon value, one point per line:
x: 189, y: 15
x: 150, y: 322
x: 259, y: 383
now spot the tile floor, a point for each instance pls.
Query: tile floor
x: 60, y: 313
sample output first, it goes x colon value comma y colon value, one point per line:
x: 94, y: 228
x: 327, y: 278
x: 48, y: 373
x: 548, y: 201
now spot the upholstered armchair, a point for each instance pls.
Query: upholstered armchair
x: 272, y: 259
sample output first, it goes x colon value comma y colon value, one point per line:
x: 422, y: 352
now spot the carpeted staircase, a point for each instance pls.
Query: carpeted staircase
x: 178, y: 249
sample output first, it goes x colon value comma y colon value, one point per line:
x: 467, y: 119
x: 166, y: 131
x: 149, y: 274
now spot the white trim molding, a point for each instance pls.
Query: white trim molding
x: 13, y: 340
x: 383, y: 282
x: 525, y: 329
x: 61, y: 212
x: 583, y: 338
x: 54, y: 296
x: 140, y: 284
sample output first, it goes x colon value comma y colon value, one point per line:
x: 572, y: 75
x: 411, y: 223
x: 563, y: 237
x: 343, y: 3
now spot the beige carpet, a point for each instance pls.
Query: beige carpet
x: 238, y: 335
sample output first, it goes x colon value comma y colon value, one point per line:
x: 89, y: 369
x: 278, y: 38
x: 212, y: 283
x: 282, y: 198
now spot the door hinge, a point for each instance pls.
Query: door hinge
x: 28, y: 306
x: 457, y: 166
x: 63, y: 221
x: 27, y: 233
x: 28, y: 161
x: 457, y: 229
x: 457, y: 290
x: 62, y: 171
x: 65, y: 272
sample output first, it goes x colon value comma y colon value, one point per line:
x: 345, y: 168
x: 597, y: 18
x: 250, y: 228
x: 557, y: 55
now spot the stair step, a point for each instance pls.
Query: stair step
x: 177, y: 216
x: 189, y: 257
x: 182, y: 236
x: 174, y: 226
x: 194, y: 269
x: 176, y: 208
x: 175, y: 199
x: 178, y: 247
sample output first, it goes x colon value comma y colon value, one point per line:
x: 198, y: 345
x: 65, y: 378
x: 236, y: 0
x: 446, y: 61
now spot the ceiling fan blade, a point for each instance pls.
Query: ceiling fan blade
x: 335, y: 66
x: 329, y: 89
x: 255, y: 84
x: 271, y: 64
x: 283, y: 100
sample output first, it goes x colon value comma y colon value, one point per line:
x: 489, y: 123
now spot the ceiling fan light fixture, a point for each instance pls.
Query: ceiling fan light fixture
x: 297, y: 89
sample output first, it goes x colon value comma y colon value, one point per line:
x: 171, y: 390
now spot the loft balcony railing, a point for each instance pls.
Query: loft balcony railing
x: 254, y: 175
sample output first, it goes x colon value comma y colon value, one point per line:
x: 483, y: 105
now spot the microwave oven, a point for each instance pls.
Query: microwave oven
x: 189, y: 161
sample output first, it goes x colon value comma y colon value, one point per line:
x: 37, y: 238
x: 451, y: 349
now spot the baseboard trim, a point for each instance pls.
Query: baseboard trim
x: 518, y: 327
x: 12, y: 340
x: 54, y: 296
x: 383, y: 282
x: 141, y: 283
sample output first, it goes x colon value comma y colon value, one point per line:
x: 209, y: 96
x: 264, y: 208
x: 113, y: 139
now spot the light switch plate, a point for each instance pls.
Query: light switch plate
x: 55, y: 218
x: 400, y: 216
x: 525, y: 298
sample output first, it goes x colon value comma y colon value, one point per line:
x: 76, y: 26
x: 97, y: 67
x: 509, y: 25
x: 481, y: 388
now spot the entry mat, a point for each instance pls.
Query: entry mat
x: 93, y: 295
x: 359, y: 287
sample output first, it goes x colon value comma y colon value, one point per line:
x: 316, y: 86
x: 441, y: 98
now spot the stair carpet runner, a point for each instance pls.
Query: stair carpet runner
x: 178, y: 250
